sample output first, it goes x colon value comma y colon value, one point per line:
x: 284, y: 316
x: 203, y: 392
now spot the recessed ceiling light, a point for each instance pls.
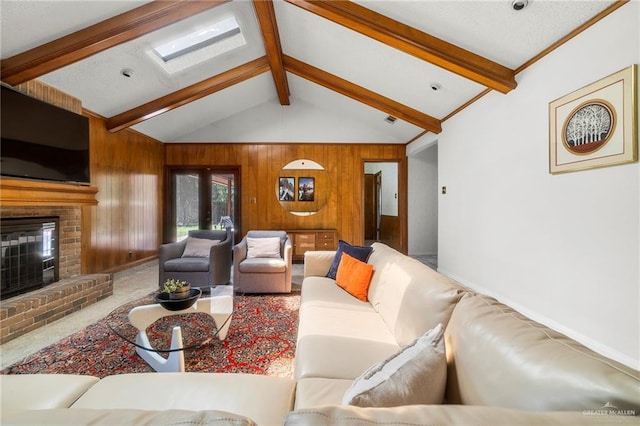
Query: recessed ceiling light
x: 518, y: 5
x: 435, y: 86
x: 127, y: 72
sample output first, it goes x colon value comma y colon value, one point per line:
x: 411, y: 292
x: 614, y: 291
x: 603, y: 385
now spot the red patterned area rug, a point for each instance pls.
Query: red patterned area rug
x: 261, y: 340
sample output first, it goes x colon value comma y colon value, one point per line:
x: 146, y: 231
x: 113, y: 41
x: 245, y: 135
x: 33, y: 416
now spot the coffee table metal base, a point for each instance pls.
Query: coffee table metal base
x: 219, y: 307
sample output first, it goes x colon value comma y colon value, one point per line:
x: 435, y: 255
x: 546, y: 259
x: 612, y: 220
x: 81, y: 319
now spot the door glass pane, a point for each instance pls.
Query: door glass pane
x: 187, y: 206
x: 222, y: 199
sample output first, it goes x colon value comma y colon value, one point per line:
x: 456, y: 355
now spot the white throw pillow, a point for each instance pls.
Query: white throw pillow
x: 198, y: 247
x: 263, y: 247
x: 417, y: 374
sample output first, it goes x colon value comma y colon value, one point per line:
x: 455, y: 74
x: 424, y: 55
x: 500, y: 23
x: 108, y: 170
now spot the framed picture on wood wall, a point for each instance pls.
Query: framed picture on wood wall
x: 595, y: 126
x: 306, y: 189
x: 286, y: 189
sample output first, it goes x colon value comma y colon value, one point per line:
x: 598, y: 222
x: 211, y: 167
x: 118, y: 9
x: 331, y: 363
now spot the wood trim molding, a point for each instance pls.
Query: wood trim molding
x: 269, y: 28
x: 361, y: 94
x: 93, y: 39
x: 16, y: 192
x: 414, y: 42
x: 188, y: 94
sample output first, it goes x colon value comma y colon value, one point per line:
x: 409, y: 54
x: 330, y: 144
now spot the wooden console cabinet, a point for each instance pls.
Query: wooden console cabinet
x: 304, y: 240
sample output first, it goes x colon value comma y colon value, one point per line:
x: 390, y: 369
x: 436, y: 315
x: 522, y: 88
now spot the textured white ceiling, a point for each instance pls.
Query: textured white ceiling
x: 250, y: 111
x: 492, y: 28
x: 115, y: 94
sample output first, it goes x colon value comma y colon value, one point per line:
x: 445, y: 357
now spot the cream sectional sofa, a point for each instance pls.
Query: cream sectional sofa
x: 501, y: 365
x: 502, y: 368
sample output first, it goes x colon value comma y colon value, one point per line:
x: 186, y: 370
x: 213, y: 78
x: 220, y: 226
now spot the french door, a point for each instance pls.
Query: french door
x: 201, y: 198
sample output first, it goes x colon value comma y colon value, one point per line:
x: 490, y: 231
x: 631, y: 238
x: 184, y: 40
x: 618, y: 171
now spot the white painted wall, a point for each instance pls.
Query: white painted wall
x: 562, y: 249
x: 423, y: 202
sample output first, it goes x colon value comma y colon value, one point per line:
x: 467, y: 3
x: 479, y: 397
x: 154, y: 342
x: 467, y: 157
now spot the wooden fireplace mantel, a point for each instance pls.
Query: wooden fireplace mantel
x: 17, y: 192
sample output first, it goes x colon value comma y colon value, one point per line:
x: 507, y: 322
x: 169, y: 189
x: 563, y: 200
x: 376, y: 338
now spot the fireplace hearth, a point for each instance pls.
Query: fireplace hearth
x: 55, y: 295
x: 29, y: 257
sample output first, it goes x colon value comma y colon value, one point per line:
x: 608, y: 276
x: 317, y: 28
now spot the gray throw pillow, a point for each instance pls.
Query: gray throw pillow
x: 198, y: 247
x: 417, y: 374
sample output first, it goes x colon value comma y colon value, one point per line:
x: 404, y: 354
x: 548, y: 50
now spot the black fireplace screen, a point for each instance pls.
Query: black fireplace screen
x: 29, y: 254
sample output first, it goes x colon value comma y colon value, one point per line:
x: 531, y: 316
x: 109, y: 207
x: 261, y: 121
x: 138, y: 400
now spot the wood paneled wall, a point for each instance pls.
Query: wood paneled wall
x: 127, y: 168
x: 126, y: 225
x: 260, y: 166
x: 49, y: 94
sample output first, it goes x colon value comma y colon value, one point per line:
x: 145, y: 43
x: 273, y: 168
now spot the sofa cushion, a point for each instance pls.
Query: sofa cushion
x: 187, y: 264
x: 532, y: 367
x: 354, y: 276
x: 358, y: 252
x: 385, y: 271
x: 416, y: 299
x: 417, y: 374
x: 317, y: 391
x: 262, y: 265
x: 353, y: 324
x: 42, y: 391
x: 328, y: 338
x: 268, y: 247
x: 323, y: 292
x: 126, y: 417
x: 335, y: 357
x: 242, y: 394
x: 198, y: 247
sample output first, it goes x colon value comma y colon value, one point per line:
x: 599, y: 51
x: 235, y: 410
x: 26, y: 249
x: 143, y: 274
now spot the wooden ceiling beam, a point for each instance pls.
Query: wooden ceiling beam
x: 188, y: 94
x: 362, y: 95
x: 106, y: 34
x: 269, y: 27
x: 414, y: 42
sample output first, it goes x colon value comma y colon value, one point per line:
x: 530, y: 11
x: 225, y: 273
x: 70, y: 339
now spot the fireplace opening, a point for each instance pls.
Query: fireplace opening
x: 29, y: 254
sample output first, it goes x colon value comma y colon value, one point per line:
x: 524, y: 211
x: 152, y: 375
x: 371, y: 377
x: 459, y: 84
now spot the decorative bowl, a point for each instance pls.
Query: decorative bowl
x: 178, y: 304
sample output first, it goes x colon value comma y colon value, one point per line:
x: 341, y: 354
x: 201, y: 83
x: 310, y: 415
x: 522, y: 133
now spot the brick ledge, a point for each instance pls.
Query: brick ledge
x: 24, y: 313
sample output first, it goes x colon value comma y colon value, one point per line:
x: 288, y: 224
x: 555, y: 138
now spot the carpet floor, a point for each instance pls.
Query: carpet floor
x: 261, y: 340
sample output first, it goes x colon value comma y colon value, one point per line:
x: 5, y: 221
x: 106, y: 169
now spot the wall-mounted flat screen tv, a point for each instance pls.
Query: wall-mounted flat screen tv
x: 42, y: 141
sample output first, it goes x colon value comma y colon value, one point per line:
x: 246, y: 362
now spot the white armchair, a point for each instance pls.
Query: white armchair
x: 262, y: 263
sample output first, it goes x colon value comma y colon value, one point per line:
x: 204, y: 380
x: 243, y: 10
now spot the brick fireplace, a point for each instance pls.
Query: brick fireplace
x: 73, y: 291
x: 26, y: 198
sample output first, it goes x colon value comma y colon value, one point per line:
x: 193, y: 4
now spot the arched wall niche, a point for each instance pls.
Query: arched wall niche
x: 303, y: 187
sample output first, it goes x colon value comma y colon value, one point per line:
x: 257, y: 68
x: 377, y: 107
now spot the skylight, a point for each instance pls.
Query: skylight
x: 198, y: 39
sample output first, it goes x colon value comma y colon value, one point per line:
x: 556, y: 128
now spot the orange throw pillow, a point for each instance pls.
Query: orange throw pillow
x: 354, y: 276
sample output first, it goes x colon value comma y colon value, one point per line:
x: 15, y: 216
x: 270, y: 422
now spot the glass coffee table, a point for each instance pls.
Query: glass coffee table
x: 208, y: 318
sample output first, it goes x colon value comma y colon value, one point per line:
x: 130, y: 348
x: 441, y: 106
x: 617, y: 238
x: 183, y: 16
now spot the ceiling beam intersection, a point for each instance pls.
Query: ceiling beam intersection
x: 269, y: 28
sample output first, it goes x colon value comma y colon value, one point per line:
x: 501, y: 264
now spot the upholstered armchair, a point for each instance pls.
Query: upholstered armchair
x: 203, y: 259
x: 262, y: 263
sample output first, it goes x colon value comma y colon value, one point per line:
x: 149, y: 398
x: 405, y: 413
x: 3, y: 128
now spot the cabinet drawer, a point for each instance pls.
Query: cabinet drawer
x: 306, y: 239
x: 326, y: 241
x: 303, y: 243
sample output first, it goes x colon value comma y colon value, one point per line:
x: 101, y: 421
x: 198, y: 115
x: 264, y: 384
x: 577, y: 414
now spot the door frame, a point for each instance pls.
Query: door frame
x: 402, y: 198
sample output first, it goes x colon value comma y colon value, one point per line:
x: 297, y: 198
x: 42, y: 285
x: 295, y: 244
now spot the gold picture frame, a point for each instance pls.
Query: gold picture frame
x: 595, y: 126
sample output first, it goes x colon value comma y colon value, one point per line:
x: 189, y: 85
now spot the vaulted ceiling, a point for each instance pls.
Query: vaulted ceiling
x: 310, y: 71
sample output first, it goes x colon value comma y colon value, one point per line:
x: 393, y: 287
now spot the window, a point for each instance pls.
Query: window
x: 198, y: 39
x: 201, y: 198
x: 199, y: 45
